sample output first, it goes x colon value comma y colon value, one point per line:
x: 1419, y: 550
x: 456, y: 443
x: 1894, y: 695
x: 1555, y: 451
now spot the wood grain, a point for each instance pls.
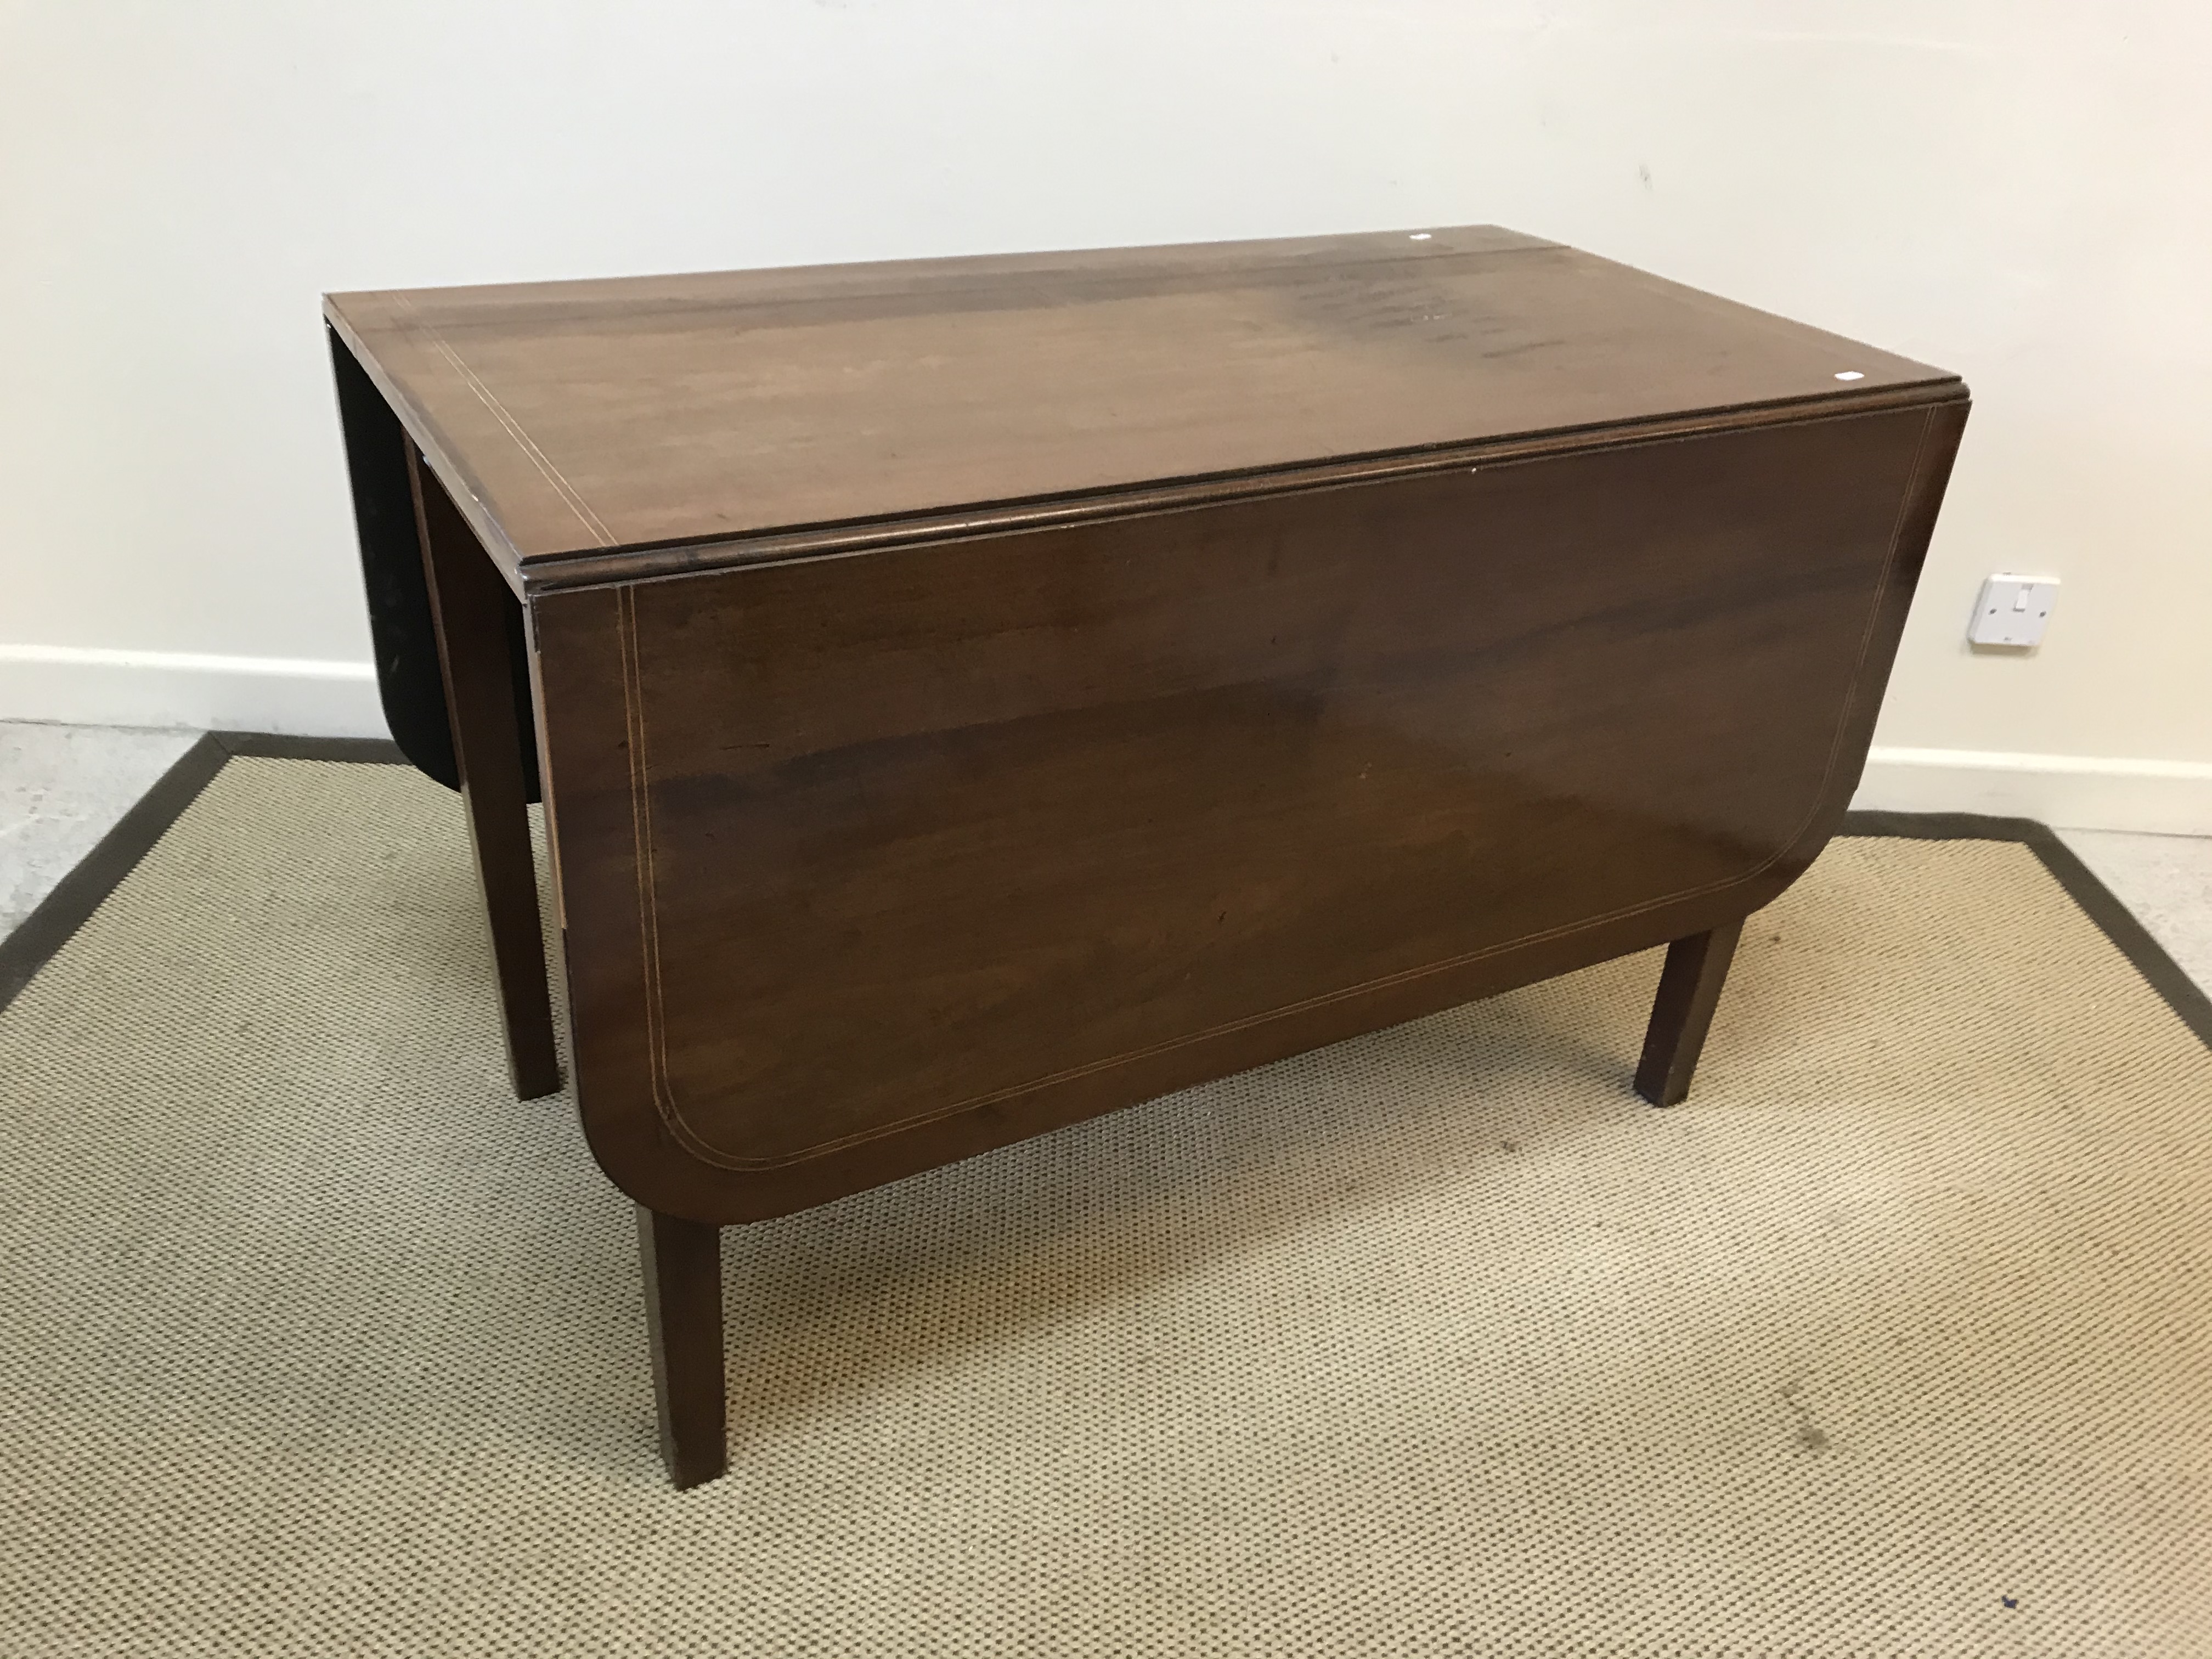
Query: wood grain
x: 925, y: 849
x: 572, y: 417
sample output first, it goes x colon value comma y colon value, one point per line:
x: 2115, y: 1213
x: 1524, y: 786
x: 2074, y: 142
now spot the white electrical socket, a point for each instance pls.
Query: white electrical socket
x: 2013, y: 610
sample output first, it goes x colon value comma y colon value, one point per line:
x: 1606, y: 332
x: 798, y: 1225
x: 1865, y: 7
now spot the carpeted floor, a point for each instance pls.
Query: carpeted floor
x: 1895, y: 1340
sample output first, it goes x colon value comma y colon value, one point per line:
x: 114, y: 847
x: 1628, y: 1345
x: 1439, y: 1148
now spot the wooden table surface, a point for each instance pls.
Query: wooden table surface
x: 975, y: 695
x: 575, y: 417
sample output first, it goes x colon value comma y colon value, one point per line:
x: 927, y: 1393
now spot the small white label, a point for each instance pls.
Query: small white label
x: 1419, y: 236
x: 1850, y: 374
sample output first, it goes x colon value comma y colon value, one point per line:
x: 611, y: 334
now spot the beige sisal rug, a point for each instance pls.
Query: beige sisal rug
x: 1895, y: 1340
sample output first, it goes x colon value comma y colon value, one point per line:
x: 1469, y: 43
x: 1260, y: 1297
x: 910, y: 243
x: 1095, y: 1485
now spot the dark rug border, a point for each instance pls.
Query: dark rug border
x: 81, y: 891
x: 264, y: 746
x: 58, y: 915
x: 2098, y: 902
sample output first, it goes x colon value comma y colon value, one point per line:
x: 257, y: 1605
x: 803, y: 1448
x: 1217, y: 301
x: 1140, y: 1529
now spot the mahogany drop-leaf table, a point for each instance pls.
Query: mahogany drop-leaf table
x: 969, y: 696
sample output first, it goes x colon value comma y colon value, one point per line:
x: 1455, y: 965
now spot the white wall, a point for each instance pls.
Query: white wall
x: 2010, y: 187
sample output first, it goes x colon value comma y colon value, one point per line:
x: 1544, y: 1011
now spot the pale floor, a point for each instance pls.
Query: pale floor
x: 62, y: 787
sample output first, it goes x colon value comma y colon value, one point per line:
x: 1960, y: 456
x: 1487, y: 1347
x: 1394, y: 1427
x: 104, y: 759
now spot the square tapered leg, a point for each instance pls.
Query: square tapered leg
x: 683, y: 1264
x: 470, y: 602
x: 1689, y: 990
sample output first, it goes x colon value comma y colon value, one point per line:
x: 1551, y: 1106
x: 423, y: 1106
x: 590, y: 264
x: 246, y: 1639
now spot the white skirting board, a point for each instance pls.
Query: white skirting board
x: 2068, y: 791
x: 308, y: 698
x: 296, y: 697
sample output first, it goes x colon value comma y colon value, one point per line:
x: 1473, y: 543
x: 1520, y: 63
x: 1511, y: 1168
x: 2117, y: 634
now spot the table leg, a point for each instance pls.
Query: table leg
x: 468, y: 601
x: 1689, y: 989
x: 683, y: 1316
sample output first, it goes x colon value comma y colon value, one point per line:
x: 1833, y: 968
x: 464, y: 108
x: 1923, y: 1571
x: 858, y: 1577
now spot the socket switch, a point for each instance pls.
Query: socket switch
x: 2013, y: 610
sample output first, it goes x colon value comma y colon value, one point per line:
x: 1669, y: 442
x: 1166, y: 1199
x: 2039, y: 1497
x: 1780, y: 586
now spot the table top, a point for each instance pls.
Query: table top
x: 580, y: 418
